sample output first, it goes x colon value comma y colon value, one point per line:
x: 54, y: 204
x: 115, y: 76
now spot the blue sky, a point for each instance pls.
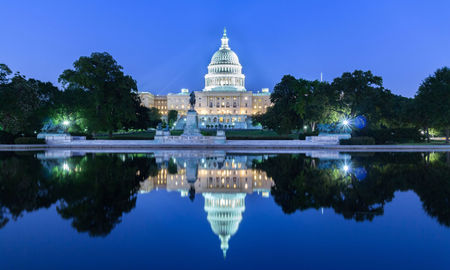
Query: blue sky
x: 167, y: 45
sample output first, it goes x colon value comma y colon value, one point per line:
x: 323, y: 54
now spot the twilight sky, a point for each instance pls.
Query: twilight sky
x: 167, y: 45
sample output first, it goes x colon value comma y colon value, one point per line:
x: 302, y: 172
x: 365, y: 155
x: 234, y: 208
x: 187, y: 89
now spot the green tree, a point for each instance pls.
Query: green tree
x: 24, y: 102
x: 72, y: 105
x: 154, y: 117
x: 433, y: 97
x: 172, y: 116
x: 286, y: 114
x: 397, y: 111
x: 321, y: 103
x: 361, y: 93
x: 4, y: 73
x: 111, y: 93
x: 142, y: 119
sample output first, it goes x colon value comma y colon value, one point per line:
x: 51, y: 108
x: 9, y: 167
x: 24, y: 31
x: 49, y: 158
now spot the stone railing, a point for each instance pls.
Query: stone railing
x: 323, y: 139
x: 189, y: 139
x: 62, y: 138
x: 165, y: 137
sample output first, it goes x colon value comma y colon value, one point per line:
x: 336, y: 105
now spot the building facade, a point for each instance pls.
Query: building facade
x: 224, y: 102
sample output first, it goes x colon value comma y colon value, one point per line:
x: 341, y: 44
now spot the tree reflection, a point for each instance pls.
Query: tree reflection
x: 106, y: 187
x: 300, y: 184
x: 94, y: 191
x: 24, y: 186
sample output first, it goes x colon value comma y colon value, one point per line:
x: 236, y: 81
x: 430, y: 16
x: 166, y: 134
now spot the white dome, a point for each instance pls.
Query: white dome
x: 224, y: 70
x: 225, y: 57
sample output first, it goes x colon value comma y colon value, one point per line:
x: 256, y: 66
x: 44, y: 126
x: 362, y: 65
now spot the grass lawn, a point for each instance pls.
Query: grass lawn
x: 425, y: 143
x: 257, y: 135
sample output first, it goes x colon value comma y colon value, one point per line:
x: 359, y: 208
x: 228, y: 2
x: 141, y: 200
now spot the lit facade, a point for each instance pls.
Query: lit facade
x: 224, y: 102
x: 230, y: 174
x: 161, y: 104
x: 224, y: 182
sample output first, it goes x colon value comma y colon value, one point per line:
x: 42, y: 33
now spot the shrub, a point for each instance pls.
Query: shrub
x: 29, y: 140
x: 143, y: 135
x: 302, y: 136
x: 6, y: 137
x: 208, y: 132
x: 257, y: 135
x: 358, y: 141
x: 176, y: 132
x: 391, y: 135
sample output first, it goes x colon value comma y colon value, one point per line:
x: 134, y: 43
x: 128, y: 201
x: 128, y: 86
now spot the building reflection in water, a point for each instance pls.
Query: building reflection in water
x: 224, y: 182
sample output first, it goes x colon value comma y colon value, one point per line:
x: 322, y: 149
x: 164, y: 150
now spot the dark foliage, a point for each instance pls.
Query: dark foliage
x: 358, y: 141
x: 391, y: 135
x: 29, y: 140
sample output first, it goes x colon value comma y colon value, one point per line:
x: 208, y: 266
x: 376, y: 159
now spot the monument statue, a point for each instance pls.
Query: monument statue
x: 50, y: 127
x: 191, y: 126
x: 192, y: 100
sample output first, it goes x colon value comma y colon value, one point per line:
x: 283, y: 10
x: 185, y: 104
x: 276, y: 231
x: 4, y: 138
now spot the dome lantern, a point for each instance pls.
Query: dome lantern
x: 224, y: 40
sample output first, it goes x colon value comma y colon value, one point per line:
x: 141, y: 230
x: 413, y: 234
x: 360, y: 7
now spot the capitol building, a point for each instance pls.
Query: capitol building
x: 224, y: 102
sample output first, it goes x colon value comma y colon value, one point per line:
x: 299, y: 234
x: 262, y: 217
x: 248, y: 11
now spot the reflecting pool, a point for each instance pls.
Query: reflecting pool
x: 224, y: 210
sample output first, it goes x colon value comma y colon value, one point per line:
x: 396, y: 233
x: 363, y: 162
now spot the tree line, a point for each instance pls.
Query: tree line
x: 96, y: 96
x: 298, y: 103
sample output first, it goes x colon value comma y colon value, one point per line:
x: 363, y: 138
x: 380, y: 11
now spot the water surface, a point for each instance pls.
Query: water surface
x: 203, y: 210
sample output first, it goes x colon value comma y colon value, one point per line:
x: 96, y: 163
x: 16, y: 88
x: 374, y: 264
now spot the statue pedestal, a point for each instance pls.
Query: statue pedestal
x: 191, y: 127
